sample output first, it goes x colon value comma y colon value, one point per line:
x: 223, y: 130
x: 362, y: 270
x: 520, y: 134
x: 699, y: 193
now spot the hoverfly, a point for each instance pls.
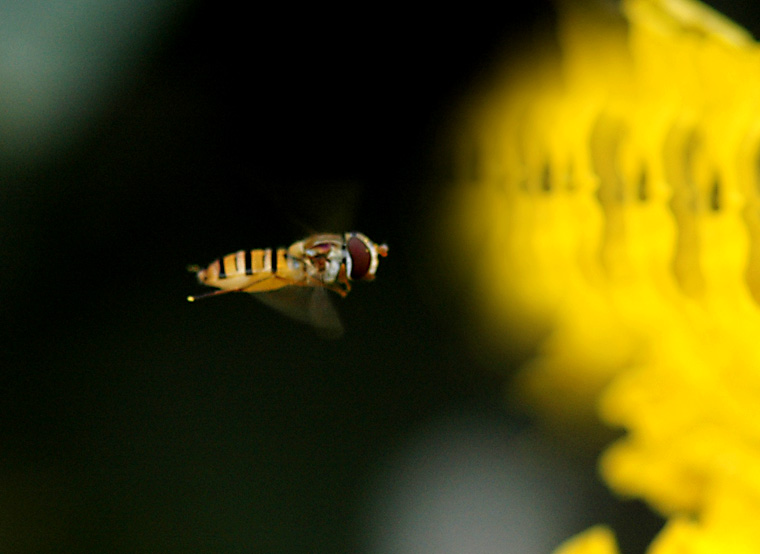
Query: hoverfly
x: 294, y: 280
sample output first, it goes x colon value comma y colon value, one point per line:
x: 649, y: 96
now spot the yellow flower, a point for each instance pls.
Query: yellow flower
x: 597, y: 540
x: 611, y: 199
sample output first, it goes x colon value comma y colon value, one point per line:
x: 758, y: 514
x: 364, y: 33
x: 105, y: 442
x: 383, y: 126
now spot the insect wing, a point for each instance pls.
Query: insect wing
x: 311, y: 305
x: 323, y: 316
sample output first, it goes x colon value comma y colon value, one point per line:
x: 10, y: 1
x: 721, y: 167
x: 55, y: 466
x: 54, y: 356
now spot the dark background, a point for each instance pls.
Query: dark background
x: 131, y: 420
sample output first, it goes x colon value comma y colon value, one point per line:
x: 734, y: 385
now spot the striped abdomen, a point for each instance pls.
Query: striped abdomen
x: 250, y: 271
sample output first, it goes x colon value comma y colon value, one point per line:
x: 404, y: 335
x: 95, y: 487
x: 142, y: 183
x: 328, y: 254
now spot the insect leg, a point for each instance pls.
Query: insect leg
x: 213, y: 293
x: 343, y: 280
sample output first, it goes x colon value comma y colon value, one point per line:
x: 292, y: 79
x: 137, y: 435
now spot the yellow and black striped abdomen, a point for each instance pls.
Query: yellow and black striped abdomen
x: 249, y: 271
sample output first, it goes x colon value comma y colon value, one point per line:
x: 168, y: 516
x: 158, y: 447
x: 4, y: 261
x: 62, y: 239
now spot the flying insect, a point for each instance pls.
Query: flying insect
x: 290, y: 279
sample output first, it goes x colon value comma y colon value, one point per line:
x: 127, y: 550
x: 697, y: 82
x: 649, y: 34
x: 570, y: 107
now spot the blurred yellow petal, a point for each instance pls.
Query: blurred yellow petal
x: 729, y: 525
x: 611, y: 202
x: 597, y: 540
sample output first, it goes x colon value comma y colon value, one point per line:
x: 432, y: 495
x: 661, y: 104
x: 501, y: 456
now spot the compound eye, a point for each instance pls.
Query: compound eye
x: 360, y: 258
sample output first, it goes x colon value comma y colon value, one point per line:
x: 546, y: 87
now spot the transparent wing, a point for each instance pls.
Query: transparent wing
x: 311, y: 305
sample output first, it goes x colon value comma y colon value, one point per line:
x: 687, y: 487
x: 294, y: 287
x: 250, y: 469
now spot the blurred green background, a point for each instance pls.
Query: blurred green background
x: 139, y: 137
